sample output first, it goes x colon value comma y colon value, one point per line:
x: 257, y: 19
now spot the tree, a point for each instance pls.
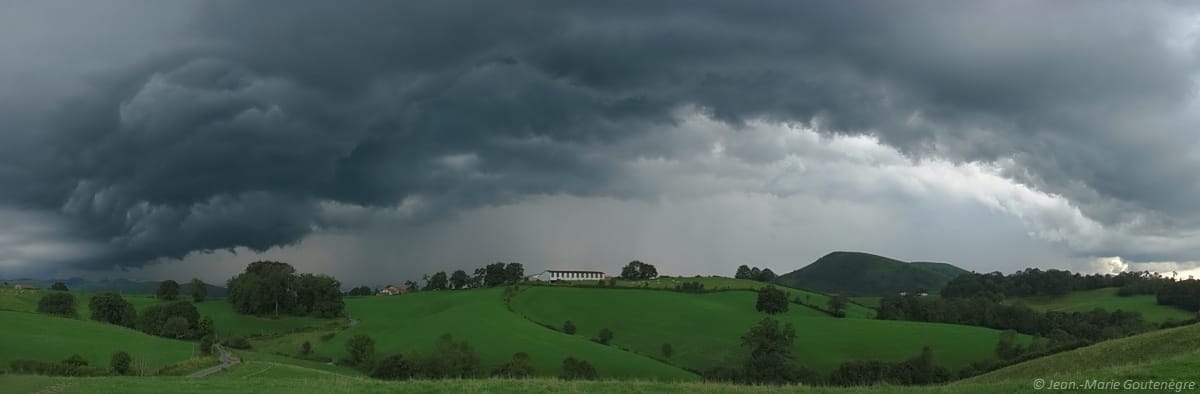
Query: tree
x: 319, y: 295
x: 519, y: 367
x: 514, y: 273
x: 452, y: 359
x: 265, y: 287
x: 437, y: 282
x: 771, y: 300
x: 206, y: 344
x: 766, y: 275
x: 59, y: 286
x: 667, y: 350
x: 577, y: 369
x: 754, y: 273
x: 837, y: 305
x: 361, y: 350
x: 306, y: 348
x: 153, y: 319
x: 199, y: 290
x: 770, y: 358
x: 637, y: 270
x: 1006, y: 346
x: 57, y: 303
x: 743, y: 272
x: 477, y: 280
x: 394, y: 367
x: 459, y: 279
x: 120, y: 363
x: 412, y: 286
x: 113, y: 309
x: 605, y: 336
x: 206, y: 327
x: 176, y: 327
x: 569, y: 327
x: 168, y: 290
x: 76, y: 361
x: 360, y: 291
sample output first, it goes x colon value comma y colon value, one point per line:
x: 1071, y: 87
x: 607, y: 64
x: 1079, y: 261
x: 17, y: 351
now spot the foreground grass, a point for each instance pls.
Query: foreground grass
x: 415, y: 321
x: 705, y: 329
x: 49, y: 338
x: 1107, y: 299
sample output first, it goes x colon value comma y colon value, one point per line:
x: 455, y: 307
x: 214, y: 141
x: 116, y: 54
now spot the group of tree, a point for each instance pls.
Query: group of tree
x: 837, y: 305
x: 770, y: 360
x: 178, y: 319
x: 491, y: 275
x: 111, y: 308
x: 690, y: 287
x: 59, y: 286
x: 360, y: 291
x: 917, y: 370
x: 1036, y: 282
x: 771, y: 300
x: 169, y: 290
x: 1183, y: 294
x: 761, y: 275
x: 75, y: 365
x: 637, y: 270
x: 1060, y: 327
x: 270, y: 287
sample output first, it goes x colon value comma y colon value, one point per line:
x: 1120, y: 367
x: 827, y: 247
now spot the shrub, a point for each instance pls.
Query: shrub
x: 605, y: 336
x: 361, y: 351
x: 395, y: 367
x: 451, y: 359
x: 53, y: 369
x: 574, y: 369
x: 326, y: 337
x: 771, y: 300
x: 306, y: 348
x: 76, y: 361
x: 519, y: 367
x: 667, y: 350
x: 569, y: 327
x: 113, y: 309
x: 57, y: 303
x: 236, y: 343
x: 120, y: 363
x: 206, y: 344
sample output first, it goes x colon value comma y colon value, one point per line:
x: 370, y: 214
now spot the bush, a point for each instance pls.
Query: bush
x: 605, y: 336
x: 451, y: 359
x: 53, y: 369
x: 771, y: 300
x: 113, y: 309
x: 574, y: 369
x: 306, y: 348
x: 361, y: 351
x: 206, y: 344
x: 667, y: 350
x: 395, y: 367
x: 76, y: 361
x: 121, y: 363
x: 236, y: 343
x: 569, y: 327
x: 57, y: 303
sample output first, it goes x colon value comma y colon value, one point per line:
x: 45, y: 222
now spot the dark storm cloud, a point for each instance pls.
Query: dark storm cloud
x: 235, y: 135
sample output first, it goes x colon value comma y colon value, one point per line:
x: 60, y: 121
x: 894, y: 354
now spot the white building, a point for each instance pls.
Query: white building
x: 552, y: 275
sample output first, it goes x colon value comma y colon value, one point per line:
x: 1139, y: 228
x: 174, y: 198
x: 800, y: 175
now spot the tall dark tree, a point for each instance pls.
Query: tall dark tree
x: 477, y: 280
x: 113, y: 309
x: 514, y: 273
x: 168, y: 290
x: 198, y: 289
x: 771, y: 300
x: 266, y: 287
x: 437, y: 282
x: 57, y: 303
x: 837, y: 305
x: 743, y: 272
x: 319, y: 295
x: 770, y: 358
x: 459, y: 279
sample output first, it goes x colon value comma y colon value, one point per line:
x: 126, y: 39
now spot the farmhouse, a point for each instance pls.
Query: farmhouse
x: 393, y: 290
x: 561, y: 274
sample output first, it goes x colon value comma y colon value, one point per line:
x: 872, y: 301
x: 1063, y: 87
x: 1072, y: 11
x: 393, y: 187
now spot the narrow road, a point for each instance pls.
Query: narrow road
x: 227, y: 361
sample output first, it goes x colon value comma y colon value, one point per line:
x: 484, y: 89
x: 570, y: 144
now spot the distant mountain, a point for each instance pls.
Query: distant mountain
x: 865, y: 274
x: 123, y: 286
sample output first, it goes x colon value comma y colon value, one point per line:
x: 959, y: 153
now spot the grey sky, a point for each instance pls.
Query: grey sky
x: 374, y: 138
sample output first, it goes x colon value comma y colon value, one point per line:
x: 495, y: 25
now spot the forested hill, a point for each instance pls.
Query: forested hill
x: 865, y: 274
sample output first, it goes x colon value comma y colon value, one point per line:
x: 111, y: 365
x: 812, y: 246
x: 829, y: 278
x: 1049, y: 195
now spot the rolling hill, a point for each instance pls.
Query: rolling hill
x: 643, y: 320
x: 48, y: 338
x: 865, y: 274
x: 1107, y: 299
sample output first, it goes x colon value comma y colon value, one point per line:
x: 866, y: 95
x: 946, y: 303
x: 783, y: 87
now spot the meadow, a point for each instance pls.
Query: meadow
x: 49, y: 338
x: 1107, y: 299
x: 714, y: 322
x: 415, y: 321
x: 722, y: 283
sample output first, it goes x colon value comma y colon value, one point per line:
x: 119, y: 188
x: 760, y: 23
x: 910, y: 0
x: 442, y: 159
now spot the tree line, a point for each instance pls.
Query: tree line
x: 1036, y: 282
x: 271, y: 287
x: 761, y: 275
x: 450, y: 359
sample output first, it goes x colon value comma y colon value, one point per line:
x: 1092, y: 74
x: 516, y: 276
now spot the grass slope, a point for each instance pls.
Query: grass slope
x: 1107, y: 299
x: 48, y: 338
x: 415, y: 321
x: 705, y: 329
x: 723, y: 283
x: 864, y: 274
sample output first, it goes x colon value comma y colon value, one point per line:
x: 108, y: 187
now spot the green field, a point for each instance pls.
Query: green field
x: 49, y: 338
x: 415, y: 321
x: 1107, y: 299
x: 723, y: 283
x: 704, y: 329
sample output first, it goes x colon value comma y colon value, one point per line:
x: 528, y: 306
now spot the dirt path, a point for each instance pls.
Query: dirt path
x: 227, y: 361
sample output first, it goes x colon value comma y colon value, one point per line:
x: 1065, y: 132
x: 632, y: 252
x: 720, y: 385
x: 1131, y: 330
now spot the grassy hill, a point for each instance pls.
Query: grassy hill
x: 864, y: 274
x: 1107, y: 299
x: 704, y: 329
x: 48, y: 338
x: 480, y: 317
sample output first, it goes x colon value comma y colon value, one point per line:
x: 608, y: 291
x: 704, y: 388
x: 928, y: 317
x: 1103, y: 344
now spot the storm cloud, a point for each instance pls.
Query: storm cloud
x: 143, y: 130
